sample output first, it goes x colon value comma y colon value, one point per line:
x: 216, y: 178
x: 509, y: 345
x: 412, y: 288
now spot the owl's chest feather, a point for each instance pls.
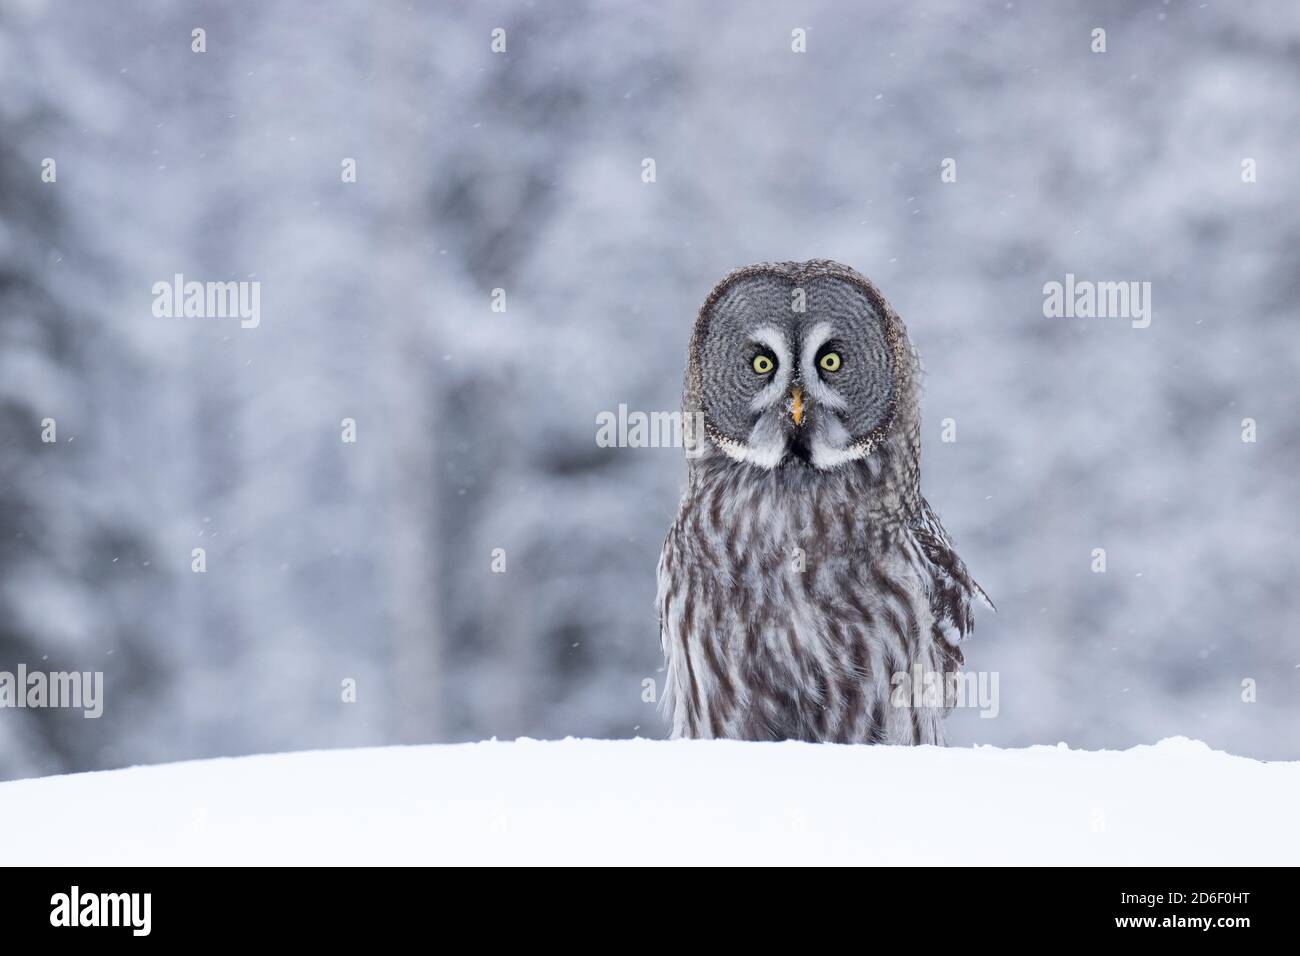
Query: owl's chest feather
x: 774, y: 570
x: 787, y: 609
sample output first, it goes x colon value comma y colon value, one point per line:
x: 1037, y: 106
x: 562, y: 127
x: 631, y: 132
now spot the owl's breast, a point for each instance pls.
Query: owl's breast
x: 794, y: 625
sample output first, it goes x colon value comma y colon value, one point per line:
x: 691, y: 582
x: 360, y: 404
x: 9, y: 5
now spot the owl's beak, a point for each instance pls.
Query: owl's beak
x: 796, y: 405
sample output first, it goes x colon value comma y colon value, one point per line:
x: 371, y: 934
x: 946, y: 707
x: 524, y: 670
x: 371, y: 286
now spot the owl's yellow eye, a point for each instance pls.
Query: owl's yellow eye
x: 763, y: 364
x: 830, y: 362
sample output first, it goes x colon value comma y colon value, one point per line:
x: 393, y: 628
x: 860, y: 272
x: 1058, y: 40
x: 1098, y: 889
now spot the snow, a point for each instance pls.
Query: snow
x: 665, y: 802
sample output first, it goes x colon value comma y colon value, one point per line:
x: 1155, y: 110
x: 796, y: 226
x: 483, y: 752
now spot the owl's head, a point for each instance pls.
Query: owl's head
x: 800, y: 363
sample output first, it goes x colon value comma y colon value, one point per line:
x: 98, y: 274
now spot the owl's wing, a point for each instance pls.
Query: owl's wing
x: 951, y: 587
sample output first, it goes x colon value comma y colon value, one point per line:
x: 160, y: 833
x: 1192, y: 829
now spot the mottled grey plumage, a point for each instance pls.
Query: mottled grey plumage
x: 804, y: 569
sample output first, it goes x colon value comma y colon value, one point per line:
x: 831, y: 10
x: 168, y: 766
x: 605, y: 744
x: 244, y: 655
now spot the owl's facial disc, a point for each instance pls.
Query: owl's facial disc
x: 803, y: 389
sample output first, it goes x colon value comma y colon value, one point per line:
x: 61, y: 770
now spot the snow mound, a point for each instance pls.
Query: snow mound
x: 664, y: 802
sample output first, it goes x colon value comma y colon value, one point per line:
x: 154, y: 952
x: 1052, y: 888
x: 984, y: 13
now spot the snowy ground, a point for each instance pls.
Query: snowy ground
x: 592, y: 801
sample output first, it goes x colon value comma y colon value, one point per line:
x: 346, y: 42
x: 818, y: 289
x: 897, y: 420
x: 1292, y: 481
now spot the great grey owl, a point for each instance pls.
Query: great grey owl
x: 805, y: 571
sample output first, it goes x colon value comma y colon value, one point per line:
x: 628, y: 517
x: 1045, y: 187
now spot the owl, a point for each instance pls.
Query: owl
x: 806, y: 587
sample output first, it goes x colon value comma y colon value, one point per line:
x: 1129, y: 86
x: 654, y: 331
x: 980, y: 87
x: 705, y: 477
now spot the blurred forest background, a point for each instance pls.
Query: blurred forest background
x: 476, y: 429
